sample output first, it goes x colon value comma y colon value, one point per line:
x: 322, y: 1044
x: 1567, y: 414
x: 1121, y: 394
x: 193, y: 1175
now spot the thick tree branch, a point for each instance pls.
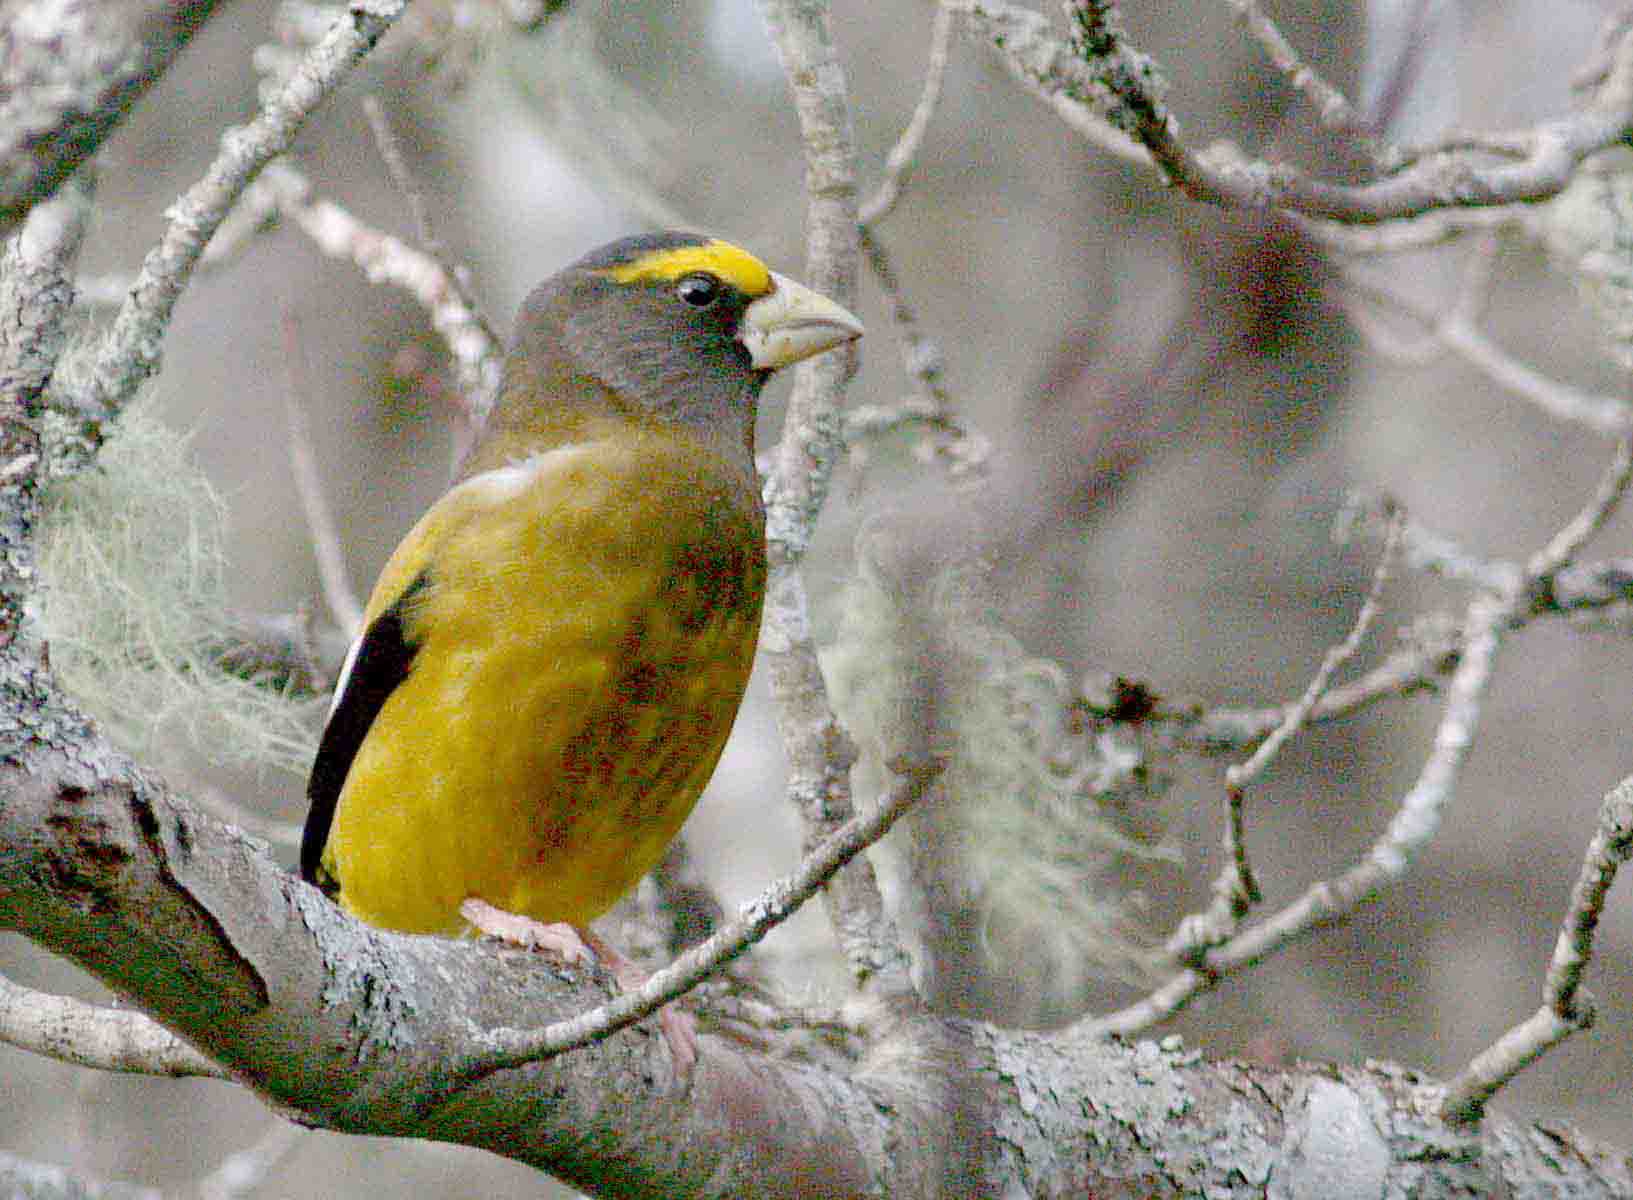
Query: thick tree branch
x: 355, y: 1029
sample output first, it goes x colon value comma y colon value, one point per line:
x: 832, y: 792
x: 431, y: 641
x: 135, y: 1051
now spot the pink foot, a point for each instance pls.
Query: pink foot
x: 559, y: 939
x: 574, y: 945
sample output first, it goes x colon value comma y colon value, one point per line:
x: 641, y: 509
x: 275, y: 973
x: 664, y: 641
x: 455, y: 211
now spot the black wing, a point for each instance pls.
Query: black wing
x: 382, y: 660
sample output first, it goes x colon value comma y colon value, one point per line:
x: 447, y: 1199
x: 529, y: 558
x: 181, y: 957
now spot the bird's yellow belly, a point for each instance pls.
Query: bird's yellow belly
x: 539, y: 760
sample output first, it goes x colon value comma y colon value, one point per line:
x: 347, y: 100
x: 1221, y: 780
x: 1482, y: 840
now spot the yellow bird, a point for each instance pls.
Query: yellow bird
x: 553, y: 657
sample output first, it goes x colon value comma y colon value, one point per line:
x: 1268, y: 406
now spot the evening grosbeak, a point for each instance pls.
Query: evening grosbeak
x: 553, y: 657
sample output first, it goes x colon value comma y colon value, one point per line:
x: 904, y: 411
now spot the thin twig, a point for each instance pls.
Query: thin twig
x: 1566, y: 1006
x: 1604, y: 414
x: 477, y: 380
x: 476, y: 351
x: 89, y: 1035
x: 1234, y: 890
x: 925, y: 367
x: 1242, y: 774
x: 906, y: 150
x: 1435, y: 227
x: 511, y: 1047
x: 1333, y: 107
x: 391, y: 153
x: 1415, y: 822
x: 129, y: 353
x: 338, y: 593
x: 1508, y: 592
x: 1565, y: 545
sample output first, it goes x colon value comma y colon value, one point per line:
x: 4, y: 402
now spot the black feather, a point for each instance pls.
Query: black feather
x: 383, y: 661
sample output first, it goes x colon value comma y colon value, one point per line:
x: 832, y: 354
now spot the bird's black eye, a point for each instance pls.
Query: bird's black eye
x: 698, y: 289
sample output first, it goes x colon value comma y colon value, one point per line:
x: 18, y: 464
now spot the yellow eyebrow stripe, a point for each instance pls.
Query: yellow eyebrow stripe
x: 734, y: 265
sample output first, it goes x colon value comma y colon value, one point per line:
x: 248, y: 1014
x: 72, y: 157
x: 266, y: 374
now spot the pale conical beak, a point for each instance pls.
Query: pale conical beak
x: 793, y: 322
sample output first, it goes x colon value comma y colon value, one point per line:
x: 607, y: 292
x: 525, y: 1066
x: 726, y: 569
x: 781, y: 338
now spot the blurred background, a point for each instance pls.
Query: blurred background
x: 1176, y: 406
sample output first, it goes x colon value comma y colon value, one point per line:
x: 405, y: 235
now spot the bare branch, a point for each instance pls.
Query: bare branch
x: 1234, y: 890
x: 900, y: 161
x: 1453, y: 331
x: 1099, y: 79
x: 69, y: 72
x: 36, y: 304
x: 1243, y: 774
x: 1507, y: 593
x: 1565, y: 545
x: 87, y: 1035
x: 1333, y: 107
x: 129, y: 353
x: 964, y: 451
x: 36, y: 300
x: 478, y: 377
x: 1566, y: 1007
x: 476, y: 351
x: 1414, y: 824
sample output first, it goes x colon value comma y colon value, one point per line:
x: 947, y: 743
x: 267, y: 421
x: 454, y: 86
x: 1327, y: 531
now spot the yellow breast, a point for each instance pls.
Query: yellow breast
x: 582, y: 627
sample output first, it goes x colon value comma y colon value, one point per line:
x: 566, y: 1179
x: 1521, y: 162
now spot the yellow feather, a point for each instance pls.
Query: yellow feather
x: 570, y: 691
x: 734, y: 265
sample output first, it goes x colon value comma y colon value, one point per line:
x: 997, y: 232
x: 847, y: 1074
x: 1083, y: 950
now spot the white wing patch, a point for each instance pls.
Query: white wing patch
x: 345, y: 674
x: 503, y: 484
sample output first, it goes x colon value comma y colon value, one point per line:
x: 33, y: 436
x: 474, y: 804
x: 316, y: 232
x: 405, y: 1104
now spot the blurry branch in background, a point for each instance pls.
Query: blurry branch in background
x: 45, y: 1181
x: 1331, y: 105
x: 243, y: 1172
x: 900, y: 161
x: 1106, y: 89
x: 1502, y: 595
x: 1600, y: 590
x: 128, y: 353
x: 455, y: 312
x: 70, y: 71
x: 1566, y: 1005
x: 476, y: 352
x: 1452, y: 329
x: 345, y: 609
x: 962, y: 449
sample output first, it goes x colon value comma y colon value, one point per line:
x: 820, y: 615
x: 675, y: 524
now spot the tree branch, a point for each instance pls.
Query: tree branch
x: 820, y: 753
x: 69, y: 72
x: 1099, y: 80
x: 1566, y: 1006
x: 129, y: 353
x: 87, y: 1035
